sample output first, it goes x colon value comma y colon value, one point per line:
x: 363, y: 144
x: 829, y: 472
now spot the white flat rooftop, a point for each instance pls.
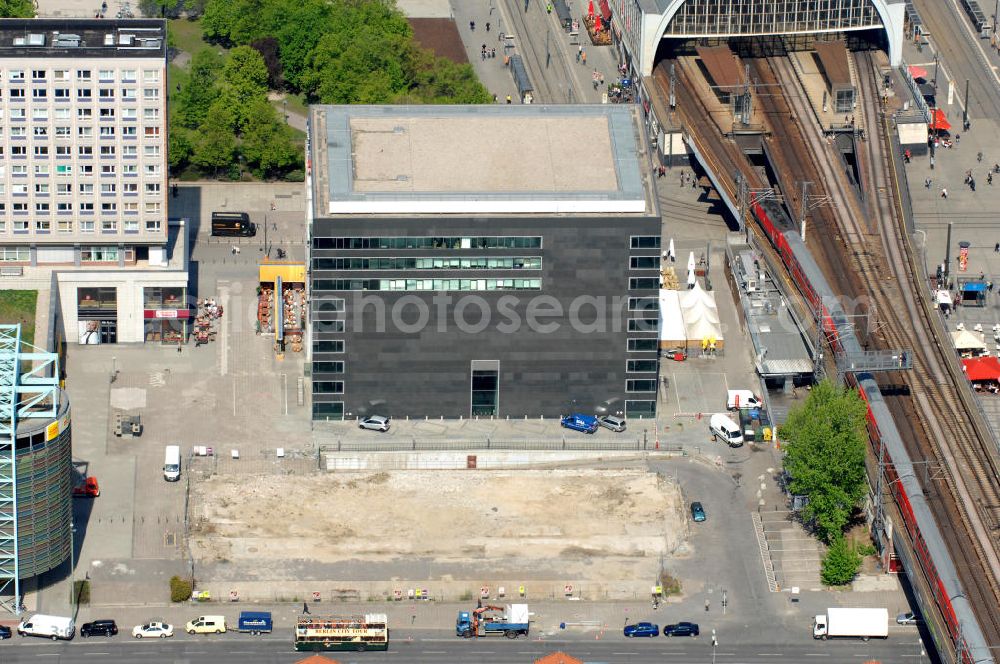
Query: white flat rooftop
x: 479, y: 159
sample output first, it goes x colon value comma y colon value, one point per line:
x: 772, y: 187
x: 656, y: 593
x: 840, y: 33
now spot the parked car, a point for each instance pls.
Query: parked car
x: 681, y: 629
x: 99, y: 628
x: 375, y: 423
x: 616, y: 424
x: 697, y: 512
x: 584, y: 423
x: 642, y: 629
x: 89, y: 488
x: 908, y: 618
x: 153, y: 629
x: 5, y: 632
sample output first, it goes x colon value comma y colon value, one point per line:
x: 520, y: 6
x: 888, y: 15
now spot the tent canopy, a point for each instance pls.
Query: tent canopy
x: 672, y: 331
x: 982, y: 368
x: 939, y: 121
x: 965, y: 340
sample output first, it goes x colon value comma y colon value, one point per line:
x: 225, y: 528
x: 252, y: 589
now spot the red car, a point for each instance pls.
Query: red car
x: 89, y: 489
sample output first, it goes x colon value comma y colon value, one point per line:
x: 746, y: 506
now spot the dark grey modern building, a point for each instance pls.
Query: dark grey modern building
x: 482, y: 261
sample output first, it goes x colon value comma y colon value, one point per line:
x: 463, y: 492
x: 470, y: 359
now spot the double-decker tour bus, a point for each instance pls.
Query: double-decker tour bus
x: 367, y: 632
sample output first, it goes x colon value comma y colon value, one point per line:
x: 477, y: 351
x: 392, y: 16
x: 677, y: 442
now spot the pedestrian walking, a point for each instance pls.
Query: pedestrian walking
x: 472, y: 26
x: 232, y: 250
x: 493, y: 53
x: 944, y: 192
x: 972, y: 185
x: 487, y: 26
x: 927, y: 183
x: 996, y: 248
x: 989, y: 178
x: 237, y: 249
x: 508, y: 99
x: 583, y: 58
x: 602, y: 79
x: 305, y: 608
x: 979, y: 156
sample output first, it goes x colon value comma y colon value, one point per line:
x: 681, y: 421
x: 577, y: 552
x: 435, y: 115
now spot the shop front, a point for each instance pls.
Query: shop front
x: 97, y: 315
x: 165, y: 314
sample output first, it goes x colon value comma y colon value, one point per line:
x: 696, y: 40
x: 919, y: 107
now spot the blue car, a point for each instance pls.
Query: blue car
x: 642, y: 629
x: 584, y: 423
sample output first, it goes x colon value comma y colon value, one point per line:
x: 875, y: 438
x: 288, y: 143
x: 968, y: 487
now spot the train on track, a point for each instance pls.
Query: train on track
x: 928, y: 545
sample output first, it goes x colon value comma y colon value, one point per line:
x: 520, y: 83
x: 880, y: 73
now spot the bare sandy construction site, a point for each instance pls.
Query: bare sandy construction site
x: 602, y: 525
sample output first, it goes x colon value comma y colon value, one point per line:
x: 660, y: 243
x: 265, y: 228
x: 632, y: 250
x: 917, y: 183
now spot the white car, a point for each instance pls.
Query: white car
x: 375, y: 423
x: 152, y: 629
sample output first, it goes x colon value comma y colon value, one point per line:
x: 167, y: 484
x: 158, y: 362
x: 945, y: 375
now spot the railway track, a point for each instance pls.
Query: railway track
x: 937, y: 413
x: 534, y: 59
x: 877, y: 271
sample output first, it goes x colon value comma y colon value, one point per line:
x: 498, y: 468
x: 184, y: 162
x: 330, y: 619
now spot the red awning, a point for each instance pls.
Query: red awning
x: 916, y: 71
x: 605, y: 10
x: 939, y: 121
x: 982, y: 368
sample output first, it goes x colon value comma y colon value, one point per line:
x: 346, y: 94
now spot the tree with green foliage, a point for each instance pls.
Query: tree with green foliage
x: 180, y: 147
x: 825, y: 456
x: 841, y: 562
x: 17, y: 9
x: 201, y: 90
x: 268, y: 144
x: 244, y: 81
x: 215, y: 146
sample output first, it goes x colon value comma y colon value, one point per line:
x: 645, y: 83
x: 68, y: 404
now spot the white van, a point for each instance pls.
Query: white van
x: 724, y: 428
x: 741, y: 399
x: 206, y: 625
x: 172, y: 463
x: 49, y: 627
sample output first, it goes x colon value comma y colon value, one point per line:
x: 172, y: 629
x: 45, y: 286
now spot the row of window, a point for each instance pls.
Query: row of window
x: 103, y: 75
x: 403, y: 263
x: 66, y: 188
x: 644, y: 304
x: 81, y: 151
x: 106, y: 208
x: 643, y: 283
x: 87, y: 114
x: 334, y: 410
x: 426, y: 284
x: 103, y: 131
x: 644, y: 242
x: 421, y: 242
x: 82, y: 226
x: 82, y: 169
x: 88, y: 254
x: 328, y: 387
x: 82, y: 94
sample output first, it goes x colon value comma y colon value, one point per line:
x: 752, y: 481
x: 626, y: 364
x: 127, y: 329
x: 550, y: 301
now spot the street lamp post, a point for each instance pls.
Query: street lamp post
x: 72, y: 565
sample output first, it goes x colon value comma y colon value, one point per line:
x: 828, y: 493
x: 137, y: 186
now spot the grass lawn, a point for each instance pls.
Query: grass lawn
x: 18, y: 306
x: 297, y: 104
x: 187, y: 35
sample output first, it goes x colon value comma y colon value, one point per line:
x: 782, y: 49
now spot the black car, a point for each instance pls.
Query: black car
x: 4, y: 632
x: 99, y: 628
x: 681, y: 629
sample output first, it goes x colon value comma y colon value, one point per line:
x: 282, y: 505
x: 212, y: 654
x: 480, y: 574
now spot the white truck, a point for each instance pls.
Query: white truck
x: 861, y: 624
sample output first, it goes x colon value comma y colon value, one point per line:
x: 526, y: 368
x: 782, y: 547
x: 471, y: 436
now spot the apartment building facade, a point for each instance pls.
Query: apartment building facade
x: 83, y: 176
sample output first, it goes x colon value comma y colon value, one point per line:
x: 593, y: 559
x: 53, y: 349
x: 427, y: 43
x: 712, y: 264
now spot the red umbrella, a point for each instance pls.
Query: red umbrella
x: 590, y: 8
x: 917, y: 71
x: 939, y: 121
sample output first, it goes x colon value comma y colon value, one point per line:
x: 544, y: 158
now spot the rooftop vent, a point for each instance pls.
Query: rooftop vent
x: 109, y: 40
x: 66, y: 41
x: 36, y: 39
x: 126, y: 40
x: 20, y: 41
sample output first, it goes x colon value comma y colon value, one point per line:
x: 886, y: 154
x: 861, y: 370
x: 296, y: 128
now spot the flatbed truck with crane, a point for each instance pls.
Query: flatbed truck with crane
x: 511, y: 621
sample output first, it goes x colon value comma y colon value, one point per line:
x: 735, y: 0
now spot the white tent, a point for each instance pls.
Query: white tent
x: 672, y: 330
x: 965, y: 340
x: 701, y: 317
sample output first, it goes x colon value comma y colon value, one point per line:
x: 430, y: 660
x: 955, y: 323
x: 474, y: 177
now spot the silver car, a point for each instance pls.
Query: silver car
x: 375, y: 423
x: 616, y: 424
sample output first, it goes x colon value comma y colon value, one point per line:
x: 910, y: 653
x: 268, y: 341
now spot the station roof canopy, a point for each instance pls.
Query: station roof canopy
x: 833, y: 58
x: 480, y: 159
x: 722, y: 65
